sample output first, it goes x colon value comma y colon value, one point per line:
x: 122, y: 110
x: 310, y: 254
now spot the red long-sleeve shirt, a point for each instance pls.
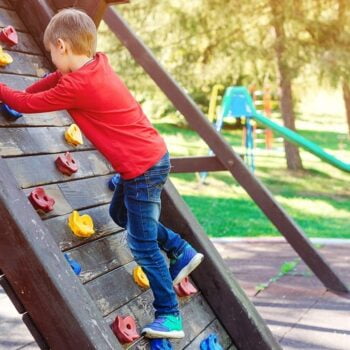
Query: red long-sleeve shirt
x: 103, y: 108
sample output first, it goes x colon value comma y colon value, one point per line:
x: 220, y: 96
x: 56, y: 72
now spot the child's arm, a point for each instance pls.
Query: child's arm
x: 45, y: 83
x: 62, y: 96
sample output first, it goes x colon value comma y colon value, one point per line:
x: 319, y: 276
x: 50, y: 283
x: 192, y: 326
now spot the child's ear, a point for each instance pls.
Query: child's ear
x: 61, y: 45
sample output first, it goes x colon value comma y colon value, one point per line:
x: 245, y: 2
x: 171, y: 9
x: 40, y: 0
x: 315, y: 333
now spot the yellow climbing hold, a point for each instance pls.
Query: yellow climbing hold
x: 140, y: 278
x: 82, y: 226
x: 73, y: 135
x: 5, y: 58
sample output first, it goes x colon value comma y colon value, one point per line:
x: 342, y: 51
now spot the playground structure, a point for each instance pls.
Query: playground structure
x: 64, y: 311
x: 237, y: 102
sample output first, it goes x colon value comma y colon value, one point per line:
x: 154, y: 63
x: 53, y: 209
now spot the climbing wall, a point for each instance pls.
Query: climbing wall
x: 30, y: 146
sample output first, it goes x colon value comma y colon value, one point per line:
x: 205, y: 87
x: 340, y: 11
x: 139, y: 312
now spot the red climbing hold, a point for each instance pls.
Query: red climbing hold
x: 66, y: 164
x: 185, y: 288
x: 40, y: 200
x: 8, y: 35
x: 125, y: 329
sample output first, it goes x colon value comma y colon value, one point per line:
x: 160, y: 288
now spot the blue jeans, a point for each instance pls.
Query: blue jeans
x: 136, y: 206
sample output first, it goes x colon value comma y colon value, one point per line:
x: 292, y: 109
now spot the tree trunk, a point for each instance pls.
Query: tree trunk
x: 292, y: 152
x: 346, y: 96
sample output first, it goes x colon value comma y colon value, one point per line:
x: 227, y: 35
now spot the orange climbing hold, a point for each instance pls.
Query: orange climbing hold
x: 140, y: 277
x: 125, y: 329
x: 81, y: 226
x: 185, y: 288
x: 73, y: 135
x: 40, y: 200
x: 5, y: 58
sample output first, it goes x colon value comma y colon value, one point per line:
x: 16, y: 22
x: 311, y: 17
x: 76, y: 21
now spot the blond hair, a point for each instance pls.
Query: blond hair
x: 74, y: 27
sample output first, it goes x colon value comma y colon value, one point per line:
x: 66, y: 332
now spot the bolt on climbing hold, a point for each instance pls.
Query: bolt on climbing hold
x: 40, y: 200
x: 125, y: 329
x: 81, y: 226
x: 211, y: 343
x: 113, y: 182
x: 10, y: 112
x: 9, y: 36
x: 73, y: 135
x: 185, y: 288
x: 5, y: 58
x: 140, y: 277
x: 66, y: 164
x: 73, y: 264
x: 160, y: 344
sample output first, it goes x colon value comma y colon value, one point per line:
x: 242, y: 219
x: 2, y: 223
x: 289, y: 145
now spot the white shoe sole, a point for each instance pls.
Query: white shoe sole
x: 196, y: 260
x: 150, y: 333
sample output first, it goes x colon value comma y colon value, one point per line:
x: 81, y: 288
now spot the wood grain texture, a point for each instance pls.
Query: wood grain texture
x: 26, y: 44
x: 5, y: 4
x: 9, y: 17
x: 65, y: 239
x: 25, y: 169
x: 26, y: 64
x: 16, y: 81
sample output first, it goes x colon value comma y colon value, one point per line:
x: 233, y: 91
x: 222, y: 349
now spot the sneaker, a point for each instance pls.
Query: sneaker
x: 165, y: 326
x: 182, y: 266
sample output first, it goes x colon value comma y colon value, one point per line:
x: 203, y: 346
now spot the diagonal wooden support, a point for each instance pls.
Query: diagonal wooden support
x: 257, y: 191
x: 227, y: 299
x: 58, y: 304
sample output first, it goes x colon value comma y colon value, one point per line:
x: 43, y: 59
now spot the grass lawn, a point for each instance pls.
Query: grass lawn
x: 318, y: 199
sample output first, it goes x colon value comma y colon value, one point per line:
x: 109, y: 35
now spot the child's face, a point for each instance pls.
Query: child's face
x: 60, y: 56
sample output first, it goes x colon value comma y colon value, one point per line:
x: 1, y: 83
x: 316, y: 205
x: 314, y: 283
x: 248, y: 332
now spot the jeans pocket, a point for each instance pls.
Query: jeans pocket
x: 155, y: 181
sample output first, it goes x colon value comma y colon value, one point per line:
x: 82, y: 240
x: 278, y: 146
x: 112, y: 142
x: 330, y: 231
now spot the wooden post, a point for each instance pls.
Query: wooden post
x: 233, y: 163
x: 54, y: 298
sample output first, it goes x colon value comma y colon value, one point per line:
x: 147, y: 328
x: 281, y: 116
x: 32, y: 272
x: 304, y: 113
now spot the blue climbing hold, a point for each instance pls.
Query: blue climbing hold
x: 74, y: 264
x: 10, y: 112
x: 211, y: 343
x: 114, y: 182
x: 160, y: 344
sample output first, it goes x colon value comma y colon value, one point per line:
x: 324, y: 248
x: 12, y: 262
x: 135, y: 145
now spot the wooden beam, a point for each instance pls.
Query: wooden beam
x: 196, y: 164
x: 257, y: 191
x: 232, y: 307
x: 56, y: 301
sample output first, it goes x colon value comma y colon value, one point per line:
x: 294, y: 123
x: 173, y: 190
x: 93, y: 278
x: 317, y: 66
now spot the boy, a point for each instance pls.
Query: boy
x: 113, y: 121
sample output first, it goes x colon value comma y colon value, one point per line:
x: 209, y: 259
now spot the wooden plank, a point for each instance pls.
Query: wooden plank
x: 10, y: 17
x: 65, y: 239
x: 26, y: 44
x: 76, y: 195
x: 114, y: 289
x: 28, y: 141
x: 26, y: 64
x: 214, y: 327
x: 16, y: 81
x: 196, y: 164
x: 35, y: 332
x: 54, y: 298
x: 4, y: 283
x: 102, y: 255
x: 5, y: 4
x: 25, y: 169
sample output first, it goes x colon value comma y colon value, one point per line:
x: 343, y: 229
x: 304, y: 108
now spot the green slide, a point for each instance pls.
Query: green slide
x: 302, y: 142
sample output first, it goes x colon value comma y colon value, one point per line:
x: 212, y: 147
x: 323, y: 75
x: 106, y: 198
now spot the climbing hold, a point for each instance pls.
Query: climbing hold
x: 9, y: 36
x: 211, y: 343
x: 125, y: 329
x: 10, y: 112
x: 66, y: 164
x: 73, y: 135
x: 160, y: 344
x: 5, y: 58
x: 113, y: 182
x: 185, y: 288
x: 82, y: 226
x: 73, y: 264
x: 40, y: 200
x: 140, y: 277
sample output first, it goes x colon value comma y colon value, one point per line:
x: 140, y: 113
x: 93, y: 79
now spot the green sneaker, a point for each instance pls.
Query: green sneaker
x: 165, y: 326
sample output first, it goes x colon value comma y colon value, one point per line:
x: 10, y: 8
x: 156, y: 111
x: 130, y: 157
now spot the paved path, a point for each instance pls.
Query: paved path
x: 300, y: 312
